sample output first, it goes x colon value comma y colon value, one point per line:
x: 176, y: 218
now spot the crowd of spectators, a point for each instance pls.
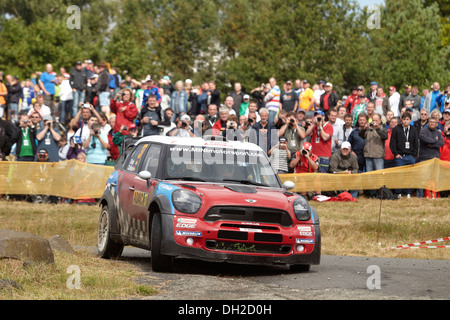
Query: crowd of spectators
x: 86, y: 113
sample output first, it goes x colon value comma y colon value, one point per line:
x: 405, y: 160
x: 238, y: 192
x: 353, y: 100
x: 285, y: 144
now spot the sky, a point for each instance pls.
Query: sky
x: 363, y: 3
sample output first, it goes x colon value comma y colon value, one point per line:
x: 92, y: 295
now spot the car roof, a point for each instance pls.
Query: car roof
x: 200, y: 142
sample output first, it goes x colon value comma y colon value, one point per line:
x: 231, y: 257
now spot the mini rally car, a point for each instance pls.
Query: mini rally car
x: 208, y: 200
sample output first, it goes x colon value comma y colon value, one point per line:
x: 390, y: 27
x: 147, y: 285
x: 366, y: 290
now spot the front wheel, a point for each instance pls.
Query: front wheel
x: 106, y: 247
x: 160, y: 262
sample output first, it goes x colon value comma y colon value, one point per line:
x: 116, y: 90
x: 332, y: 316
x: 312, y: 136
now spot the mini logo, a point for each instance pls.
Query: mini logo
x: 250, y: 200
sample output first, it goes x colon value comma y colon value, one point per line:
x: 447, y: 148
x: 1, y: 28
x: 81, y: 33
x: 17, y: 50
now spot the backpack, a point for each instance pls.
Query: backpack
x: 386, y: 194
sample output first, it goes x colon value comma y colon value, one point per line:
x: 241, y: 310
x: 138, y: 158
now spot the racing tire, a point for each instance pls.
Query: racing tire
x: 106, y: 247
x: 159, y: 261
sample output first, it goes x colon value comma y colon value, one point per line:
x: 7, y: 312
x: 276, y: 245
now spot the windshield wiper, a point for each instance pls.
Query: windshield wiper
x: 186, y: 179
x: 246, y: 182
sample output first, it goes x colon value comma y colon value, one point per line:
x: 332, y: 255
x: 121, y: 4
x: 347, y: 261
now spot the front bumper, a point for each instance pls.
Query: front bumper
x: 240, y: 242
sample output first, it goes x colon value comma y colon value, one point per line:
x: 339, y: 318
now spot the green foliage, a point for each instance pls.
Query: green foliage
x: 234, y: 40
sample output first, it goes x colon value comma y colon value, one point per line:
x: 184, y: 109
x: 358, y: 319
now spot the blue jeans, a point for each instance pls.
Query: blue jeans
x: 78, y: 96
x: 272, y: 115
x: 13, y: 111
x: 404, y: 161
x: 62, y: 112
x: 373, y: 164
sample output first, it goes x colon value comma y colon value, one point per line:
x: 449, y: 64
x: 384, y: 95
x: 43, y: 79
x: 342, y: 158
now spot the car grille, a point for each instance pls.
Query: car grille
x: 249, y: 214
x: 247, y: 247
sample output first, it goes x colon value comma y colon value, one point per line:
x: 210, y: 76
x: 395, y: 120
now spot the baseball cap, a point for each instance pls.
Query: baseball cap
x: 246, y: 96
x: 307, y: 146
x: 185, y: 117
x: 47, y: 117
x: 392, y: 88
x: 447, y: 110
x: 282, y: 140
x: 346, y: 145
x: 373, y: 83
x: 42, y: 152
x: 329, y: 84
x: 319, y: 112
x: 289, y: 82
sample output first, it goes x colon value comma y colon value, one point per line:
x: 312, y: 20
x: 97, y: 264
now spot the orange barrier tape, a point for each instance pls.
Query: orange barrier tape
x: 432, y: 175
x: 69, y: 179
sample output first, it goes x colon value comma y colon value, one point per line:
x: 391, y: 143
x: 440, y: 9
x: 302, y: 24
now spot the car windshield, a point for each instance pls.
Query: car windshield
x: 216, y: 164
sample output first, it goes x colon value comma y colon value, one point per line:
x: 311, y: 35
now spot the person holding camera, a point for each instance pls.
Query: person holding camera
x: 48, y: 138
x: 293, y: 132
x: 96, y: 145
x: 183, y: 128
x: 280, y: 156
x: 26, y: 147
x: 305, y: 161
x: 321, y: 133
x: 123, y: 107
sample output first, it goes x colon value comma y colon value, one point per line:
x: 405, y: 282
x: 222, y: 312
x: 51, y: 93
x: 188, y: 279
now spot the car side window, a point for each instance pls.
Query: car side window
x: 135, y: 158
x: 151, y: 161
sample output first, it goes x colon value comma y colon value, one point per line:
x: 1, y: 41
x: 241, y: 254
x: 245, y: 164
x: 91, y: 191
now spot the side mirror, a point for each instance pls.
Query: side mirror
x: 145, y: 175
x: 288, y: 185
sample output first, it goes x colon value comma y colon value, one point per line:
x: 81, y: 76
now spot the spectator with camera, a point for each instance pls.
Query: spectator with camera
x: 375, y: 135
x: 96, y: 145
x: 305, y: 161
x: 293, y: 132
x: 25, y: 141
x: 265, y: 131
x: 321, y: 133
x: 123, y: 107
x: 48, y: 138
x: 183, y: 128
x: 280, y: 156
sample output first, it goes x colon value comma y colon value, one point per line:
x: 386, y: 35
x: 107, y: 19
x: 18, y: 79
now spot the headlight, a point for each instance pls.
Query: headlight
x: 302, y: 209
x: 186, y: 201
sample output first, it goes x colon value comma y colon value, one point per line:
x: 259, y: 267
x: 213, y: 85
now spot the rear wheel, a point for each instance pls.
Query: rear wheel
x: 160, y: 262
x: 106, y: 247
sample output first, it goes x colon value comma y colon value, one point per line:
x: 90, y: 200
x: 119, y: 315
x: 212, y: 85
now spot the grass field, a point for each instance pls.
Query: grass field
x: 348, y: 228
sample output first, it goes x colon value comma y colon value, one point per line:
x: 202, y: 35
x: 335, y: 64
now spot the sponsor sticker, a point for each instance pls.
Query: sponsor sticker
x: 186, y: 225
x: 140, y: 199
x: 304, y: 241
x: 184, y: 220
x: 250, y: 230
x: 188, y: 233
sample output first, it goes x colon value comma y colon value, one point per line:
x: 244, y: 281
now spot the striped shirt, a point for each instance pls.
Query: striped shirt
x: 272, y: 99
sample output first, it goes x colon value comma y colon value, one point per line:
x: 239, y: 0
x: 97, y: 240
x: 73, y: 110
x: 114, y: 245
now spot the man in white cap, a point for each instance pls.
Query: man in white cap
x: 183, y: 128
x: 345, y: 161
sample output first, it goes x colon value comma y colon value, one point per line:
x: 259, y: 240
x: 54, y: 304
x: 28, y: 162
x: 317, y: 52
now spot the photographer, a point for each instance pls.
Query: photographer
x: 183, y: 128
x: 151, y: 116
x: 293, y: 132
x: 96, y: 145
x: 321, y: 133
x: 375, y: 135
x: 279, y: 156
x: 48, y: 138
x: 26, y: 141
x: 233, y: 132
x: 305, y: 161
x: 75, y: 148
x: 124, y: 109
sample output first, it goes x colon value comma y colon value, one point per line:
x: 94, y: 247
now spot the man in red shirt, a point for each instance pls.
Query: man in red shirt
x: 305, y: 161
x: 321, y: 133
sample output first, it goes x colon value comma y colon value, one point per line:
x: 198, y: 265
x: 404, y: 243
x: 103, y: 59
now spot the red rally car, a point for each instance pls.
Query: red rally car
x: 208, y: 200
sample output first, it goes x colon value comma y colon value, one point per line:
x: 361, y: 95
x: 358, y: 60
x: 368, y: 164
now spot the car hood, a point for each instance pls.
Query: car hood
x: 215, y: 194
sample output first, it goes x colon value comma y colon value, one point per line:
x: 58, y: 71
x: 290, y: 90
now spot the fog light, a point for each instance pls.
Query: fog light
x: 300, y: 248
x: 190, y: 241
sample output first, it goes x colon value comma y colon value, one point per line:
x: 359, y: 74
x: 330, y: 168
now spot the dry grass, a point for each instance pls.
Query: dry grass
x: 354, y: 228
x: 100, y: 279
x: 348, y: 228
